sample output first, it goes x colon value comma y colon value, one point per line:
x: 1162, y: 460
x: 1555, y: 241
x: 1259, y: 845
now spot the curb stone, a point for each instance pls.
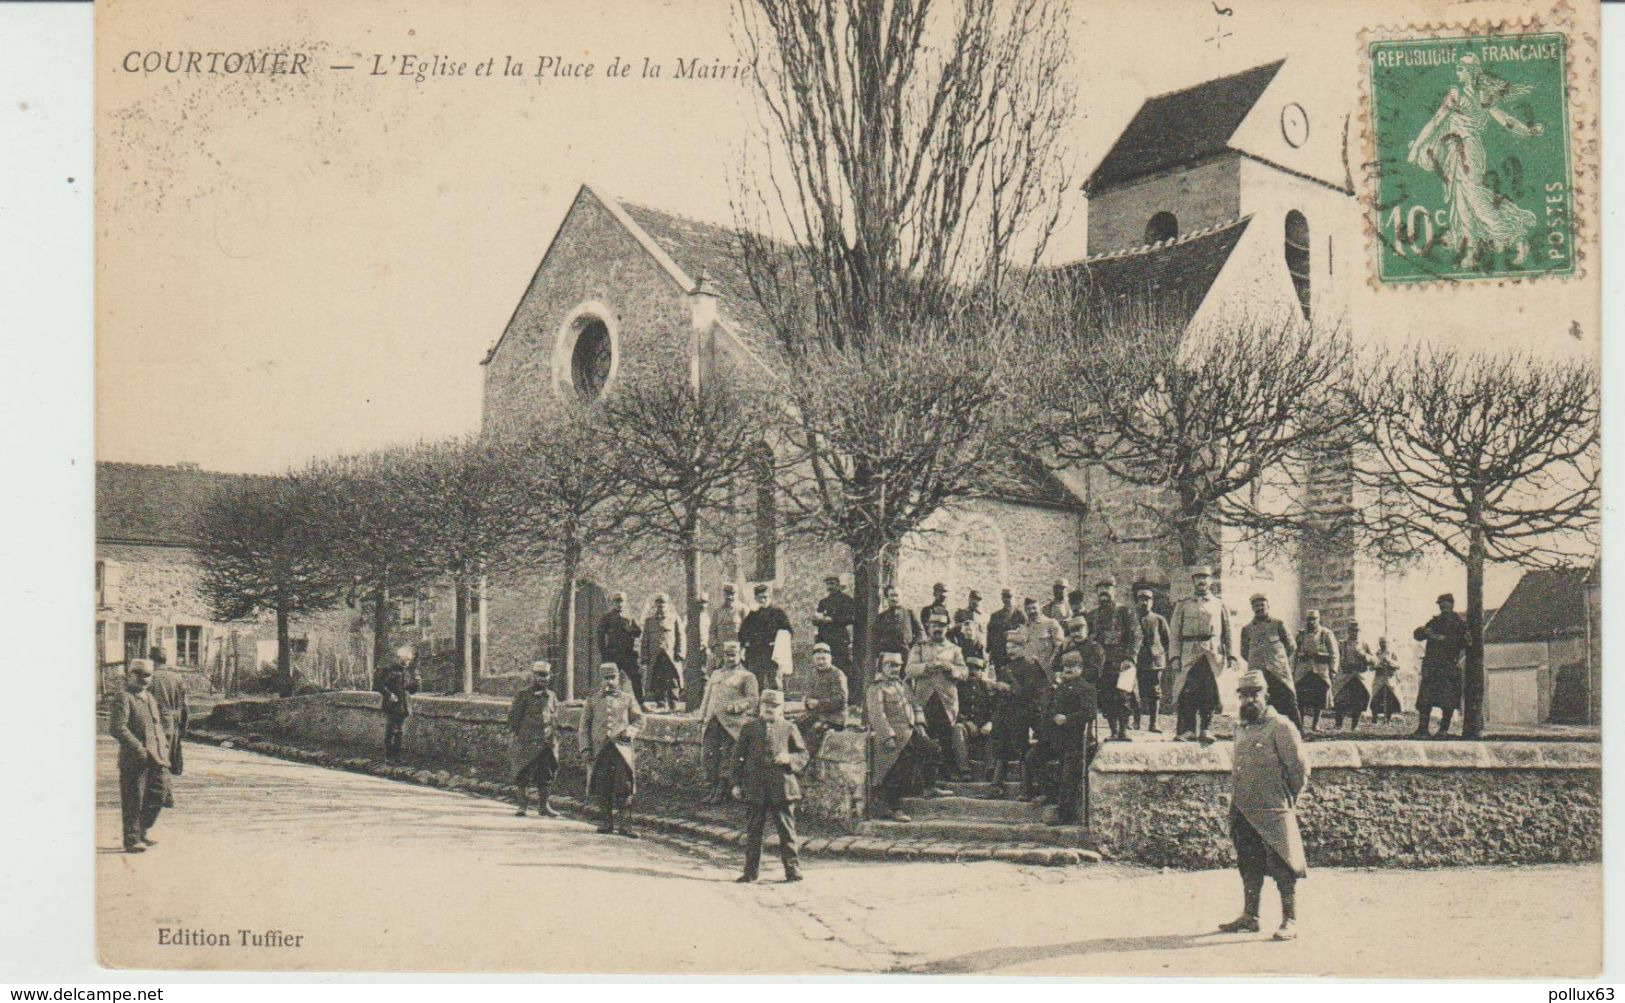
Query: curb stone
x: 852, y: 847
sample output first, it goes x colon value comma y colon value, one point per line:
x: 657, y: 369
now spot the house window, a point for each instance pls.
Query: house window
x: 766, y: 521
x: 135, y: 641
x: 590, y: 359
x: 1297, y: 257
x: 188, y: 645
x: 1163, y: 226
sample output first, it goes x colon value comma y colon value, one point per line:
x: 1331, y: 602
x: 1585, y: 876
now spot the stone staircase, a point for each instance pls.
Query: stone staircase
x: 969, y: 815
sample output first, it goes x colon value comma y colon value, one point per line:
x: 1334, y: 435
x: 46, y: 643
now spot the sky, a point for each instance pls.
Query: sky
x: 291, y: 266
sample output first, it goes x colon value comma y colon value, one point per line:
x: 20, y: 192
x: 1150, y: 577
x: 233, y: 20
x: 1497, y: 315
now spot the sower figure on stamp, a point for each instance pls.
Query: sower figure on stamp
x: 824, y: 706
x: 1384, y: 687
x: 1201, y: 632
x: 904, y: 757
x: 1017, y: 698
x: 1317, y: 660
x: 1270, y: 774
x: 1266, y: 645
x: 609, y: 723
x: 832, y: 626
x: 533, y: 748
x: 730, y: 697
x: 395, y: 685
x: 1151, y: 660
x: 1351, y: 691
x: 1117, y: 631
x: 169, y: 689
x: 769, y: 754
x: 143, y: 756
x: 935, y: 665
x: 1446, y: 637
x: 618, y: 642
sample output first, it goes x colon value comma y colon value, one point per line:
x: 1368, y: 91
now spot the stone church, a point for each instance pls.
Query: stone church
x: 1227, y: 196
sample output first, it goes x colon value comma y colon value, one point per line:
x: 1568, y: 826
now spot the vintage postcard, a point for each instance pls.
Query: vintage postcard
x: 782, y: 487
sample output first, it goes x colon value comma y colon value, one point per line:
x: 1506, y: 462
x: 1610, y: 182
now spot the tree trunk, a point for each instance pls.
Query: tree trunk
x: 284, y: 655
x: 572, y: 565
x: 463, y: 642
x: 693, y: 668
x: 380, y: 628
x: 866, y: 596
x: 1472, y: 684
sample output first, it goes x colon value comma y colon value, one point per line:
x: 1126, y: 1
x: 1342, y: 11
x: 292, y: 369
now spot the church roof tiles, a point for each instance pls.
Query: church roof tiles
x: 1172, y: 276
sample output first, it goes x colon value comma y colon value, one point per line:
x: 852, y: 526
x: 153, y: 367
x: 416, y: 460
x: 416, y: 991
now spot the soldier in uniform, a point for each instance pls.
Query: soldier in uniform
x: 824, y: 706
x: 832, y: 627
x: 767, y: 757
x: 1017, y: 699
x: 726, y: 620
x: 904, y: 757
x: 1385, y: 688
x: 976, y: 624
x: 662, y: 650
x: 1115, y: 629
x: 934, y: 665
x: 1267, y: 645
x: 609, y: 722
x: 896, y: 628
x: 1316, y: 663
x: 1004, y: 619
x: 533, y: 749
x: 1201, y: 633
x: 1446, y: 637
x: 1151, y: 660
x: 975, y: 722
x: 939, y: 600
x: 730, y: 696
x: 965, y: 634
x: 1351, y: 694
x: 1064, y: 727
x: 1058, y: 609
x: 759, y: 636
x: 618, y: 642
x: 394, y: 684
x: 169, y: 689
x: 1044, y: 634
x: 143, y: 756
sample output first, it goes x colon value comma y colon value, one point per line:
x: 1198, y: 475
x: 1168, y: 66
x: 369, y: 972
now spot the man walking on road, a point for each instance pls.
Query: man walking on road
x: 768, y: 756
x: 609, y: 723
x: 395, y: 685
x: 533, y: 750
x: 143, y: 756
x: 1270, y: 774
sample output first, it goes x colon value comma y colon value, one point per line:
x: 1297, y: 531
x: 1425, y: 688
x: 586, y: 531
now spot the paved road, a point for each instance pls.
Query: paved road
x: 373, y: 874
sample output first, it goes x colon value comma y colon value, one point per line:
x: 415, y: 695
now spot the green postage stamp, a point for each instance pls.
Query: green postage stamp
x: 1471, y: 149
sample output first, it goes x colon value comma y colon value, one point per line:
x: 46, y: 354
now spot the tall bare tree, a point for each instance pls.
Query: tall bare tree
x: 1223, y: 426
x: 574, y: 501
x: 1483, y: 457
x: 259, y: 553
x: 911, y: 171
x: 685, y: 446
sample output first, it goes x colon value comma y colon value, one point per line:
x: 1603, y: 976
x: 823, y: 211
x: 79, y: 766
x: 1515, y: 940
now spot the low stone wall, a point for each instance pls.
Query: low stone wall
x: 1378, y: 804
x: 469, y: 735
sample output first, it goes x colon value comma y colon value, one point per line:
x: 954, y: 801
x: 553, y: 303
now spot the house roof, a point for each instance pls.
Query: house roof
x: 1182, y: 127
x: 1545, y: 603
x: 146, y: 504
x: 1173, y: 276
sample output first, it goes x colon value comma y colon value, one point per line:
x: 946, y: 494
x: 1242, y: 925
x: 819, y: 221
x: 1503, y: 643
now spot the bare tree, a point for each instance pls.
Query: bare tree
x: 912, y: 166
x: 685, y: 445
x: 573, y: 495
x: 1223, y: 426
x: 1483, y: 457
x: 259, y: 554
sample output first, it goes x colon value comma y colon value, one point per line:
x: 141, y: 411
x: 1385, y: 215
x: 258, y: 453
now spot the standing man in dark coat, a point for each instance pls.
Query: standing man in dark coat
x: 662, y: 652
x: 1116, y: 630
x: 143, y: 756
x: 1017, y: 698
x: 1351, y: 689
x: 533, y: 729
x: 1151, y: 659
x: 768, y: 755
x: 896, y: 628
x: 618, y: 642
x: 759, y: 636
x: 395, y: 685
x: 1068, y: 712
x: 169, y: 689
x: 837, y: 612
x: 1004, y: 619
x: 609, y: 723
x: 1446, y: 637
x: 1317, y: 661
x: 1268, y: 647
x: 939, y: 600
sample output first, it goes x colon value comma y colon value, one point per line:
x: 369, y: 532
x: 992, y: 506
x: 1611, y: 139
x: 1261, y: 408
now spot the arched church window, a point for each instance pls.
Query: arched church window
x: 590, y: 360
x: 1163, y: 226
x: 1297, y: 257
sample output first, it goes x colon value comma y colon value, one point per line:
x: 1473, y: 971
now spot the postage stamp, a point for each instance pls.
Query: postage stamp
x: 1471, y: 157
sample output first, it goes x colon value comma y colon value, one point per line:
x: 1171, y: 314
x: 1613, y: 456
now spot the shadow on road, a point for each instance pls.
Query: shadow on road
x: 995, y: 958
x: 641, y: 872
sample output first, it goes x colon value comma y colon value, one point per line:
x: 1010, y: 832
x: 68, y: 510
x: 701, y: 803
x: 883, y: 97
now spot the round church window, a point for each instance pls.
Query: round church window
x: 590, y: 361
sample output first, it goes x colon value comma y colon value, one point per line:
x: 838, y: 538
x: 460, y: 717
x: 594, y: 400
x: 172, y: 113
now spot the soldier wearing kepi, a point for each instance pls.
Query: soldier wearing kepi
x: 731, y: 692
x: 618, y: 642
x: 826, y: 699
x: 764, y: 632
x: 143, y: 756
x: 1201, y: 633
x: 1270, y: 774
x: 934, y: 666
x: 662, y: 650
x: 903, y: 756
x: 1384, y: 687
x: 1266, y: 645
x: 1152, y: 658
x: 1004, y: 620
x: 1058, y: 608
x: 1351, y: 690
x: 1116, y: 630
x: 1317, y: 663
x: 1446, y: 637
x: 169, y: 689
x: 395, y: 684
x: 1069, y: 708
x: 769, y: 754
x: 832, y: 627
x: 533, y: 749
x: 609, y: 722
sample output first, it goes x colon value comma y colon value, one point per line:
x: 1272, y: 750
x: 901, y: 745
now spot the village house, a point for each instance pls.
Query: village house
x: 1543, y: 650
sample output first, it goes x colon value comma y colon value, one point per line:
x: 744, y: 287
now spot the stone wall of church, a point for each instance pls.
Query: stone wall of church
x: 1199, y: 196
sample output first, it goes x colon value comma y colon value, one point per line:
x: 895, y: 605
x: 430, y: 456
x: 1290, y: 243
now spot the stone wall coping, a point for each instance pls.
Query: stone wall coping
x: 1170, y: 757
